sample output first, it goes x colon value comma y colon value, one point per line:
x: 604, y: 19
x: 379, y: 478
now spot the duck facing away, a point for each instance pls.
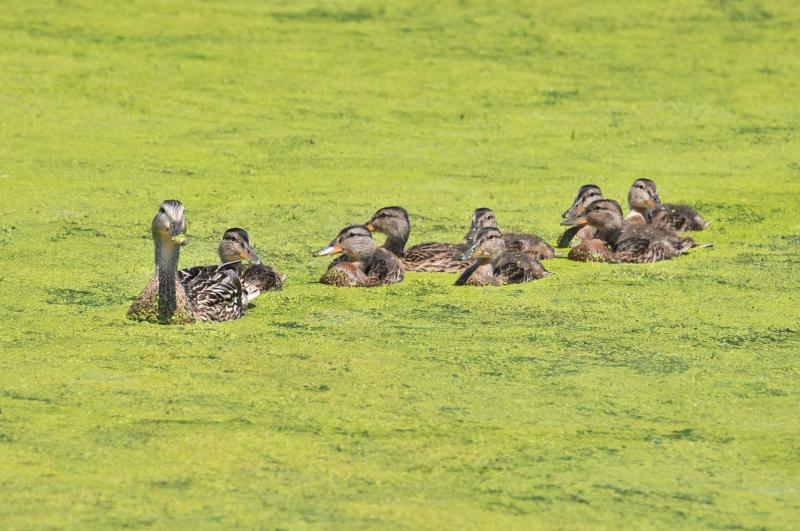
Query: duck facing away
x: 204, y: 293
x: 236, y: 246
x: 618, y: 242
x: 363, y: 265
x: 646, y: 206
x: 587, y: 194
x: 426, y: 257
x: 529, y: 244
x: 494, y: 265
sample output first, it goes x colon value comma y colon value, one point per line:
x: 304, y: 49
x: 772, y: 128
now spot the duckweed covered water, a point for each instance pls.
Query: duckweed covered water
x: 663, y: 395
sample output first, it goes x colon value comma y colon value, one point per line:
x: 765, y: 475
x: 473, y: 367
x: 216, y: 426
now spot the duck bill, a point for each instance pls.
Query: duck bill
x: 574, y: 222
x: 250, y: 255
x: 472, y: 252
x: 331, y: 249
x: 654, y: 201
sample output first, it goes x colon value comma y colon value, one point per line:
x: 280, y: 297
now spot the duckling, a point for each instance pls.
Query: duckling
x: 203, y: 293
x: 530, y: 244
x: 236, y: 246
x: 587, y: 194
x: 615, y: 242
x: 363, y: 265
x: 645, y: 203
x: 495, y: 265
x: 425, y: 257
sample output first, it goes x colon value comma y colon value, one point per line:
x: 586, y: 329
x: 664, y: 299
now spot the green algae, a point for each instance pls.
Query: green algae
x: 660, y: 395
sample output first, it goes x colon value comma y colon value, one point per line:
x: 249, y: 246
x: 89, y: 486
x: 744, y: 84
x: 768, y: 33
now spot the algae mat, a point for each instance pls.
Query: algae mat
x: 658, y: 396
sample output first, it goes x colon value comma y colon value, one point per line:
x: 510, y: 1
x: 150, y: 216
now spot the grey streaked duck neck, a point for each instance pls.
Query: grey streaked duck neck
x: 396, y: 242
x: 167, y: 255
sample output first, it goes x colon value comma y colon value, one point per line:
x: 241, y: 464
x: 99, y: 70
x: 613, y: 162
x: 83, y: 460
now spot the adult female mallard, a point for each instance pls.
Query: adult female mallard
x: 587, y: 194
x: 204, y: 293
x: 495, y: 265
x: 529, y: 244
x: 618, y: 242
x: 363, y: 265
x: 644, y: 201
x: 236, y: 246
x: 426, y: 257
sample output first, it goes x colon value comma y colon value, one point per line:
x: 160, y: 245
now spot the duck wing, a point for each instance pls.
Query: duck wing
x: 516, y: 268
x: 384, y: 269
x: 343, y: 273
x: 530, y: 244
x: 214, y: 291
x: 593, y: 250
x: 640, y: 249
x: 479, y: 273
x: 435, y: 257
x: 679, y: 218
x: 258, y: 278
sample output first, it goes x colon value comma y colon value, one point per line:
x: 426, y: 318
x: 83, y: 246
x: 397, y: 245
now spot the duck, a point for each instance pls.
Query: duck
x: 587, y: 194
x: 236, y: 247
x: 617, y: 242
x: 363, y: 265
x: 495, y: 265
x: 211, y: 293
x: 427, y: 257
x: 530, y: 244
x: 646, y: 207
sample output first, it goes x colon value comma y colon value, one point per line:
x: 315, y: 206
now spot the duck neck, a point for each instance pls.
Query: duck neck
x: 610, y: 235
x: 167, y: 255
x: 396, y: 243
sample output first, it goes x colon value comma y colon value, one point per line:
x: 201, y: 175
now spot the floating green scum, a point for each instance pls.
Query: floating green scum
x: 603, y: 396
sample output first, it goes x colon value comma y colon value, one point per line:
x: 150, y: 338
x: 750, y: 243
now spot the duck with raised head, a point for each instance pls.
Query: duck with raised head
x: 363, y: 265
x: 494, y: 265
x: 425, y: 257
x: 646, y: 206
x: 587, y: 194
x: 616, y: 242
x: 172, y: 296
x: 236, y: 246
x: 529, y: 244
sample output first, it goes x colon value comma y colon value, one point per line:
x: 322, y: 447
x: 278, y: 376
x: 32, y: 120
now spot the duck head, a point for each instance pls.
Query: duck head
x: 236, y: 245
x: 643, y: 197
x: 488, y: 243
x: 169, y: 224
x: 587, y: 194
x: 482, y: 217
x: 605, y: 215
x: 394, y: 223
x: 354, y: 241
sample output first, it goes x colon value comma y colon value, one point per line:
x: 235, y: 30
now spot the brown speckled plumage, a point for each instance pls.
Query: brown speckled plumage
x: 587, y: 194
x: 363, y: 265
x: 429, y: 257
x: 618, y: 242
x: 204, y: 293
x: 643, y: 198
x: 494, y: 265
x: 256, y: 277
x: 529, y: 244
